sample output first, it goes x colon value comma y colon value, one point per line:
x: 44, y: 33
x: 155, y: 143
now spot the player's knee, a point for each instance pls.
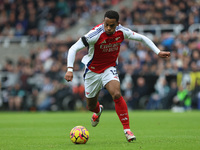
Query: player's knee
x: 116, y: 95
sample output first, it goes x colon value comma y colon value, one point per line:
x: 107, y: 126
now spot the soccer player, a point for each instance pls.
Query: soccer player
x: 103, y: 43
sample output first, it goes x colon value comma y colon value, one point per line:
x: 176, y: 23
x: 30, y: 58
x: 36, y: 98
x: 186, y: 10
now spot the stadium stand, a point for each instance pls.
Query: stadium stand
x: 173, y: 25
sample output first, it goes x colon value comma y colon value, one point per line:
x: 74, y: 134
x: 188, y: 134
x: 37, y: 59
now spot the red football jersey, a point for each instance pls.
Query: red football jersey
x: 103, y: 49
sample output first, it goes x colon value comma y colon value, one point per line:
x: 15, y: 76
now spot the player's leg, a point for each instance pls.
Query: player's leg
x: 121, y: 108
x: 92, y: 87
x: 113, y: 88
x: 94, y: 106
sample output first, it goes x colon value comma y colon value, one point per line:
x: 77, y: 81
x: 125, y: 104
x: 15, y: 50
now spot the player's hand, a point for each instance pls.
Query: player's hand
x: 69, y: 76
x: 164, y: 54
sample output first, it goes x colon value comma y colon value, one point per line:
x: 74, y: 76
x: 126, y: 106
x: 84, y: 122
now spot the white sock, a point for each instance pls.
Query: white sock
x: 125, y: 130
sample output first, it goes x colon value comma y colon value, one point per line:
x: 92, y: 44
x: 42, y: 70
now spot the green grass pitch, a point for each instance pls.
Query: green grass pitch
x: 155, y: 130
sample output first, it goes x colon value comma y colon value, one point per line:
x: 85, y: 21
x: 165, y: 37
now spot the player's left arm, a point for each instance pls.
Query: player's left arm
x: 164, y: 54
x: 145, y: 40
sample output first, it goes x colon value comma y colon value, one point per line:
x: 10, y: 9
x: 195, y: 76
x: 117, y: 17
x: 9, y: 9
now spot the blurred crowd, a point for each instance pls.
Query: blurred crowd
x: 42, y: 18
x: 147, y: 81
x: 162, y: 12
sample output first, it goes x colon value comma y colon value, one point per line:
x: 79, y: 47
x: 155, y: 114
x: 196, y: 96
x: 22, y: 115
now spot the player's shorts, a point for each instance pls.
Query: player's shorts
x: 94, y: 82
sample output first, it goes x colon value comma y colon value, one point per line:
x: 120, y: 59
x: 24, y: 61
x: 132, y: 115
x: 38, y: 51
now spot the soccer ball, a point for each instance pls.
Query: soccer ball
x: 79, y: 135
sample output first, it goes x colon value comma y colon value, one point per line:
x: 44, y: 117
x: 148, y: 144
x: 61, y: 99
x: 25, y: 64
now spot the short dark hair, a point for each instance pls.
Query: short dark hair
x: 111, y: 14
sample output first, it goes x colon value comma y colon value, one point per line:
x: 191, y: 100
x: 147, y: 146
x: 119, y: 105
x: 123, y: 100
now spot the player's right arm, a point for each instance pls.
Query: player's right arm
x: 71, y: 57
x: 88, y: 39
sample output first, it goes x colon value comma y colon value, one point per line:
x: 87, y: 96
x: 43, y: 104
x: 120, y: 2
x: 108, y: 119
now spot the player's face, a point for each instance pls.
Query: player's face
x: 110, y: 25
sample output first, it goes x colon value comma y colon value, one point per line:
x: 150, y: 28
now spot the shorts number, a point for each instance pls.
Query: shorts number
x: 114, y: 72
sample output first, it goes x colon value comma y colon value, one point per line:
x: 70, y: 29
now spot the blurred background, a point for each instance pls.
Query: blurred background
x: 35, y: 36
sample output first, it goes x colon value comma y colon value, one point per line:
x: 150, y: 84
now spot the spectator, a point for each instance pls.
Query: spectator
x: 182, y: 101
x: 8, y: 31
x: 45, y: 53
x: 161, y: 91
x: 139, y: 91
x: 19, y: 30
x: 16, y: 96
x: 63, y: 8
x: 167, y: 101
x: 45, y: 99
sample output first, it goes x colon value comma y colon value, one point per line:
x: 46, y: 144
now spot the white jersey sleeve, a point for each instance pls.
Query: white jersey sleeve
x: 88, y: 40
x: 129, y: 34
x: 72, y: 52
x: 93, y: 35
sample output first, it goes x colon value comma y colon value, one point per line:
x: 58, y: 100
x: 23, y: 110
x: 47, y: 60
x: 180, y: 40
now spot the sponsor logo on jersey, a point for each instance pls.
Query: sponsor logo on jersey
x: 110, y: 47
